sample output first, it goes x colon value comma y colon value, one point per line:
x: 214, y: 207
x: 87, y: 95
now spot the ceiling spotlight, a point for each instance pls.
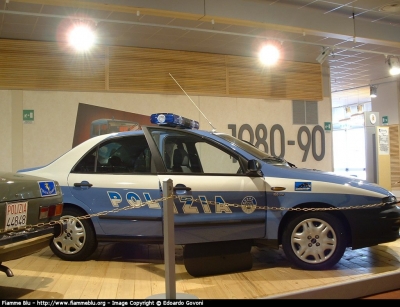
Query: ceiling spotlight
x: 373, y: 90
x: 269, y: 54
x: 81, y: 37
x: 323, y: 55
x: 394, y: 65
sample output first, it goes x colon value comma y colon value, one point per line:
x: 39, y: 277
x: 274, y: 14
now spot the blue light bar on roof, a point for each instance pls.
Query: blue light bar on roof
x: 173, y: 120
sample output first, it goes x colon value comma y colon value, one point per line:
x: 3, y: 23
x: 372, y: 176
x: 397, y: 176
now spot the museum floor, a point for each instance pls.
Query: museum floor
x: 136, y: 271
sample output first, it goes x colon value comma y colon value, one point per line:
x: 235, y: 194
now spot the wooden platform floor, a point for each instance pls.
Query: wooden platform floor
x: 132, y: 271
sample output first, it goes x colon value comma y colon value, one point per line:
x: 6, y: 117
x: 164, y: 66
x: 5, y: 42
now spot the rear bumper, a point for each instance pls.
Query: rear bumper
x: 14, y: 246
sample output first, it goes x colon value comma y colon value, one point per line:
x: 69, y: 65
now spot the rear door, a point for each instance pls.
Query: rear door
x: 117, y: 182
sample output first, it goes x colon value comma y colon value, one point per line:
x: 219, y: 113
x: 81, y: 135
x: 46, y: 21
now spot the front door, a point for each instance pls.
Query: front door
x: 213, y: 199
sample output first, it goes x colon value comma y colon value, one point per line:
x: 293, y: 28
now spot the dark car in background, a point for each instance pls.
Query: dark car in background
x: 30, y: 210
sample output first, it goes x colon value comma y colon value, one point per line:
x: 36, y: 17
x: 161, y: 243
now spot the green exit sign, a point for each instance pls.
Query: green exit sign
x: 385, y: 120
x: 328, y: 126
x: 28, y: 115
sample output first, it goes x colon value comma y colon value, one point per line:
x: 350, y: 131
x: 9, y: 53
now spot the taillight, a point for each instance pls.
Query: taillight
x: 59, y: 209
x: 50, y: 211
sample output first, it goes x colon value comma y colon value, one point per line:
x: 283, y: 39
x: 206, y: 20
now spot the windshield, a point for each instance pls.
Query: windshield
x: 254, y: 151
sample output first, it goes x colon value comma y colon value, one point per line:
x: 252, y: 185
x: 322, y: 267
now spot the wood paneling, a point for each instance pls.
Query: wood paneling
x: 136, y: 69
x: 290, y: 80
x: 394, y: 156
x: 45, y: 65
x: 52, y: 66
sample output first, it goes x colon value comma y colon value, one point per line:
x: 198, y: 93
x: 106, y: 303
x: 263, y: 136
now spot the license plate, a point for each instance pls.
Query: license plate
x: 16, y: 215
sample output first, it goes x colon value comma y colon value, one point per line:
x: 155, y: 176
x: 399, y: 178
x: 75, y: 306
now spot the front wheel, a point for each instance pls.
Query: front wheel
x: 78, y: 241
x: 314, y: 240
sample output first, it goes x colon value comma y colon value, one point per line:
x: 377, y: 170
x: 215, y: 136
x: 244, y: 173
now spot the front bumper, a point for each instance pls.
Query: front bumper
x: 374, y: 226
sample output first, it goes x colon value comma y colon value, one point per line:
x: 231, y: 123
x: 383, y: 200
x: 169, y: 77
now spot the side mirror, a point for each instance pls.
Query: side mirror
x: 254, y: 168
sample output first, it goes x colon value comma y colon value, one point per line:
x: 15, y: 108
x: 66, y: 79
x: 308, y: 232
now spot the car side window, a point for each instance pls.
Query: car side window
x: 187, y: 153
x: 215, y: 160
x: 118, y: 156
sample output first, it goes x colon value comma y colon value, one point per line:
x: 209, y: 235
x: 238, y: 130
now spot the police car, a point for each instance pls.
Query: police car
x: 226, y: 192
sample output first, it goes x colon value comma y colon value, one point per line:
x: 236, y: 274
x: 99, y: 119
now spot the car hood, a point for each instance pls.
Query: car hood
x: 20, y: 186
x: 330, y: 177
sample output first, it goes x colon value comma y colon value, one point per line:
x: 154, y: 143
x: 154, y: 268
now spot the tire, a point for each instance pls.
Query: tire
x: 314, y: 240
x: 78, y: 241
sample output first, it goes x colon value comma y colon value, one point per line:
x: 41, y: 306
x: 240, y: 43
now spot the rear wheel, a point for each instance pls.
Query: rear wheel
x: 314, y: 240
x: 78, y: 241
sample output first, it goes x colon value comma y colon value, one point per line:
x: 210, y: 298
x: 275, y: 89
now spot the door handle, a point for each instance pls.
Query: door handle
x: 83, y: 184
x: 181, y: 187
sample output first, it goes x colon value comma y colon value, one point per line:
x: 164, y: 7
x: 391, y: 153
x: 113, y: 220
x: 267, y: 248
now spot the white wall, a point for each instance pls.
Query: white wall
x: 387, y: 102
x: 51, y: 133
x: 5, y: 131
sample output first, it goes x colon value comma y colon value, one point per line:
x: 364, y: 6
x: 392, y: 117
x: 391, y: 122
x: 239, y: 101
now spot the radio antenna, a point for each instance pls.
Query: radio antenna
x: 213, y: 130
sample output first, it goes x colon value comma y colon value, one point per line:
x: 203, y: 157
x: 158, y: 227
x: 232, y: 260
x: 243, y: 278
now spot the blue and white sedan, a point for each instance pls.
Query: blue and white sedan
x: 227, y: 194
